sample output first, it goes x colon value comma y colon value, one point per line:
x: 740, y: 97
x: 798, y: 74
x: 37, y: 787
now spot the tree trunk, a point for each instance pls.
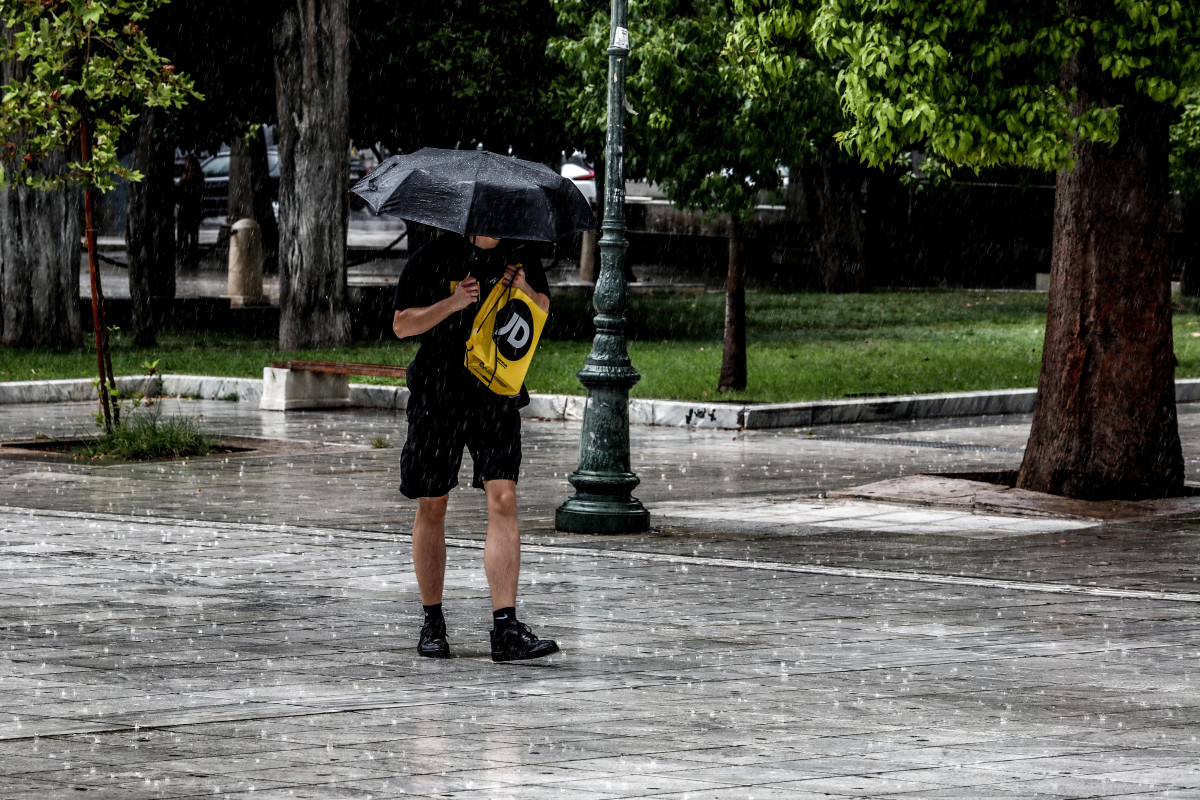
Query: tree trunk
x: 311, y: 41
x: 39, y: 258
x: 106, y: 386
x: 39, y: 267
x: 733, y: 353
x: 250, y: 193
x: 839, y: 225
x: 150, y: 228
x: 1105, y: 424
x: 264, y: 214
x: 240, y: 201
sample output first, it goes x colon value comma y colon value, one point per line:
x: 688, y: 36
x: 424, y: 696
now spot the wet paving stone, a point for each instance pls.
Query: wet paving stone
x: 246, y: 627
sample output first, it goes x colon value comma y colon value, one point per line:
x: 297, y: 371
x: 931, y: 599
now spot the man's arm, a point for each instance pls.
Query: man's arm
x: 418, y: 320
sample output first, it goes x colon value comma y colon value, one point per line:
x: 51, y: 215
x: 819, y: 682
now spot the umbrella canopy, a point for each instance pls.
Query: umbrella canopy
x: 477, y: 193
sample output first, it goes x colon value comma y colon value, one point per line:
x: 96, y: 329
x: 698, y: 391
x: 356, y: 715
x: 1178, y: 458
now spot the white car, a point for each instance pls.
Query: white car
x: 580, y: 172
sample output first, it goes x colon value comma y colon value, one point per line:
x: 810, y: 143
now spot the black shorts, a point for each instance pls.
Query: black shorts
x: 437, y: 433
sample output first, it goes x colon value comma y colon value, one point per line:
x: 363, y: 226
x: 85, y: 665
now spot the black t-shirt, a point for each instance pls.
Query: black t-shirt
x: 437, y: 371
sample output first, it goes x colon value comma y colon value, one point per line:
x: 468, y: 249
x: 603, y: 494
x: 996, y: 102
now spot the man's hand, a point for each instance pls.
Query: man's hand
x: 466, y: 292
x: 514, y: 276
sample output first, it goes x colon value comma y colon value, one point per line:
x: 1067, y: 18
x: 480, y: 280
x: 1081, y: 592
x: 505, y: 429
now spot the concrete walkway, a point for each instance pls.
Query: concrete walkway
x: 245, y: 626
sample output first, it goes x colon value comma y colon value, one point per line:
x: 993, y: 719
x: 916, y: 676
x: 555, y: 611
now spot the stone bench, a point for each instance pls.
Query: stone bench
x: 289, y: 385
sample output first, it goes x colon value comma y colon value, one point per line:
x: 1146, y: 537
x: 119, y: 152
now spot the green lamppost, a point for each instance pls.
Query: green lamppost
x: 604, y: 481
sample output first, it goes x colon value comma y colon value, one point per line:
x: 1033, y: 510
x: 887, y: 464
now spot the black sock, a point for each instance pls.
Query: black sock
x: 433, y: 613
x: 503, y: 617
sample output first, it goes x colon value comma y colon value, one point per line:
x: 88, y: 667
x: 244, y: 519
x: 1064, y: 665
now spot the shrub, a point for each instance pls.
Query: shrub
x: 145, y: 437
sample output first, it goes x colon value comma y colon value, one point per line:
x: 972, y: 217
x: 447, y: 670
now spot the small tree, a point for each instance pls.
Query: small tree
x: 695, y: 129
x: 88, y: 70
x: 775, y: 61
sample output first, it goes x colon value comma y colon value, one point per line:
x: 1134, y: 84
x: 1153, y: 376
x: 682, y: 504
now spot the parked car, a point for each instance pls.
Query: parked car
x: 216, y: 181
x: 581, y: 172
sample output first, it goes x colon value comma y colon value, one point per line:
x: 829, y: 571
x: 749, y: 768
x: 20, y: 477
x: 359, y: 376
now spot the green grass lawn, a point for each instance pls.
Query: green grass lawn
x: 801, y: 346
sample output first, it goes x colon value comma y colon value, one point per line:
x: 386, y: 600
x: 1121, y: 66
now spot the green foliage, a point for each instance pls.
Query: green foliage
x: 770, y: 44
x: 697, y: 126
x: 80, y: 61
x: 977, y: 82
x: 1185, y: 148
x: 146, y: 436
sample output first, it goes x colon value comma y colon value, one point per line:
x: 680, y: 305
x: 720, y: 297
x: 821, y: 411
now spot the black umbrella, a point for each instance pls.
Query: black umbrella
x: 477, y: 193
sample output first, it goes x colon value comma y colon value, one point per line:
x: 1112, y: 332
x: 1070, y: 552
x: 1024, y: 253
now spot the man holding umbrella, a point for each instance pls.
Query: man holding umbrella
x: 489, y: 207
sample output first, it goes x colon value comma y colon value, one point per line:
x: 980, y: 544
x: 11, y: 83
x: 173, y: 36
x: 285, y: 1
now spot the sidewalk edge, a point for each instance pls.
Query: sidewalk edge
x: 672, y: 413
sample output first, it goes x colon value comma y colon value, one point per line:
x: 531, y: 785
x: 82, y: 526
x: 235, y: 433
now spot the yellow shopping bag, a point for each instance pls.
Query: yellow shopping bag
x: 503, y: 337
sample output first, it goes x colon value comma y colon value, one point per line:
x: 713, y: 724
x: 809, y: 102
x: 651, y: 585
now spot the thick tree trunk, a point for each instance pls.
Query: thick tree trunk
x: 150, y: 228
x: 39, y: 267
x: 733, y: 353
x: 1105, y: 424
x: 39, y: 257
x: 312, y: 85
x: 840, y: 226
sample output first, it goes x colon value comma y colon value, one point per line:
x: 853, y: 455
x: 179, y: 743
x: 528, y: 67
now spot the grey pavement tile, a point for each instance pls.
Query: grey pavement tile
x: 1069, y: 786
x: 1183, y: 775
x: 859, y: 785
x: 446, y: 788
x: 753, y: 774
x: 321, y: 772
x: 744, y: 793
x: 328, y: 791
x: 998, y: 792
x: 24, y: 786
x: 632, y: 763
x: 641, y: 785
x: 144, y: 782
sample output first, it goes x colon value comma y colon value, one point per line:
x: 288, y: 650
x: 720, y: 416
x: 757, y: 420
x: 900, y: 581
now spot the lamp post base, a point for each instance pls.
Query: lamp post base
x: 603, y: 515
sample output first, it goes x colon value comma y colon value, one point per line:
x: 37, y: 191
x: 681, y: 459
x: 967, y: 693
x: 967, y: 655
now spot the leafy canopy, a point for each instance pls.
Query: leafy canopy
x: 695, y: 126
x: 976, y: 82
x: 78, y: 61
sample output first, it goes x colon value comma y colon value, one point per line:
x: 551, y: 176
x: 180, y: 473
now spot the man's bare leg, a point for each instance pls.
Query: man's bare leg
x: 429, y: 548
x: 429, y: 562
x: 502, y: 562
x: 502, y: 550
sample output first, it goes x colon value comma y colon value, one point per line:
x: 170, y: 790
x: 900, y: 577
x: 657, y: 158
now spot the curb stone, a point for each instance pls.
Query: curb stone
x: 674, y: 413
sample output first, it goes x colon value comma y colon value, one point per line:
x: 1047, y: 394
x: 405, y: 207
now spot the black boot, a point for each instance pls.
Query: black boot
x: 432, y: 643
x: 515, y: 642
